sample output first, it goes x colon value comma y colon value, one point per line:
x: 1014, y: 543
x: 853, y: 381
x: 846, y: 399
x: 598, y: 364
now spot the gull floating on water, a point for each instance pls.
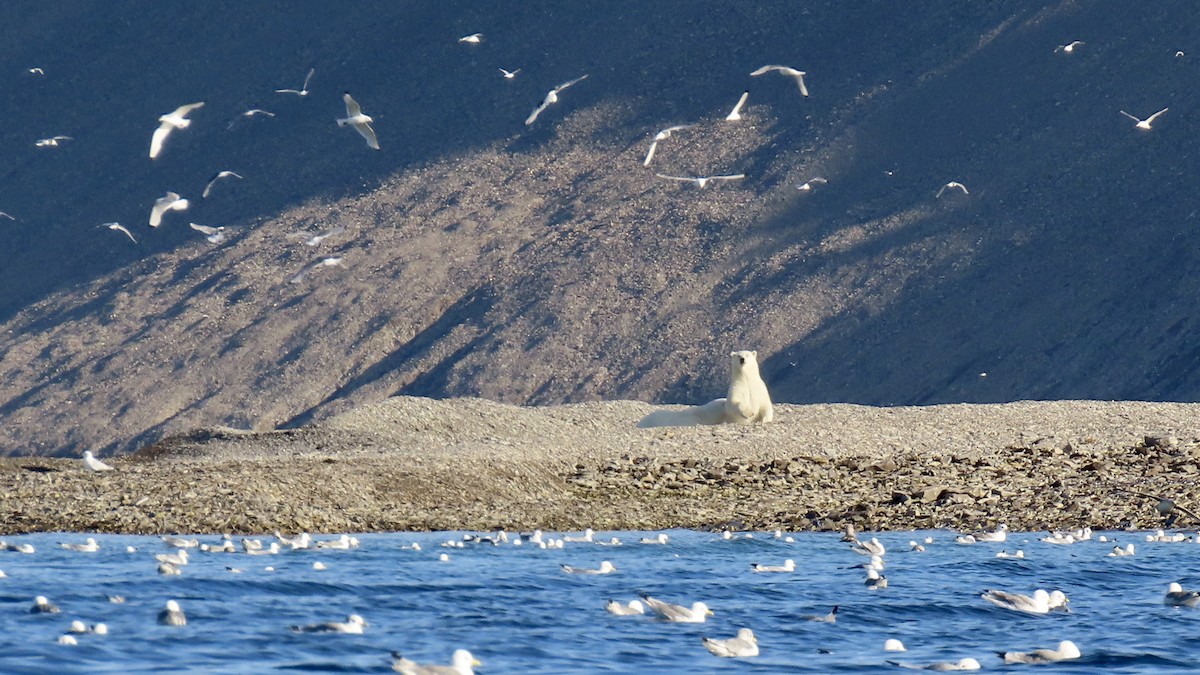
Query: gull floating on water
x: 551, y: 99
x: 176, y: 119
x: 77, y: 627
x: 117, y: 227
x: 1119, y: 551
x: 745, y: 644
x: 661, y: 136
x: 353, y: 624
x: 89, y: 460
x: 701, y: 181
x: 52, y: 142
x: 798, y: 75
x: 1005, y: 554
x: 831, y: 617
x: 169, y: 570
x: 462, y: 662
x: 302, y: 91
x: 18, y: 548
x: 361, y: 123
x: 606, y: 567
x: 697, y: 613
x: 967, y: 663
x: 588, y: 534
x: 179, y: 542
x: 1144, y: 125
x: 893, y: 645
x: 43, y: 606
x: 68, y: 640
x: 178, y: 558
x: 997, y: 535
x: 1066, y: 650
x: 1040, y: 602
x: 951, y: 185
x: 736, y: 113
x: 633, y: 607
x: 474, y: 38
x: 788, y: 565
x: 1068, y: 48
x: 216, y: 177
x: 89, y: 546
x: 509, y: 74
x: 168, y: 202
x: 875, y: 581
x: 1177, y: 597
x: 915, y: 547
x: 660, y: 538
x: 172, y: 615
x: 966, y: 539
x: 870, y: 547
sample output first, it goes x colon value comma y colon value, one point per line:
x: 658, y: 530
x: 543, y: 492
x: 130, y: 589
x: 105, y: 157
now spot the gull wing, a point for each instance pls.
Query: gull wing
x: 1150, y: 119
x: 735, y: 176
x: 206, y: 229
x: 537, y: 111
x: 352, y: 107
x: 650, y: 153
x: 183, y: 110
x: 800, y: 81
x: 366, y: 132
x: 685, y: 179
x: 159, y: 137
x: 1129, y: 116
x: 564, y: 85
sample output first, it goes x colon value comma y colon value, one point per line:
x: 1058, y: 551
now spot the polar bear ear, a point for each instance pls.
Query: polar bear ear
x: 754, y: 354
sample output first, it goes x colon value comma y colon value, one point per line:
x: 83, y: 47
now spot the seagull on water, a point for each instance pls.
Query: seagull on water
x: 1066, y: 650
x: 1040, y: 602
x: 353, y: 624
x: 587, y: 537
x: 745, y: 644
x: 606, y: 567
x: 179, y: 542
x: 303, y: 91
x: 360, y: 122
x: 661, y: 136
x: 1119, y: 551
x: 216, y: 177
x: 701, y: 181
x: 172, y: 615
x: 461, y: 663
x: 784, y: 70
x: 788, y: 565
x: 249, y: 114
x: 697, y: 613
x: 871, y: 547
x: 89, y: 546
x: 52, y: 142
x: 967, y: 663
x: 1068, y: 48
x: 660, y: 538
x: 998, y: 535
x: 551, y: 98
x: 736, y: 113
x: 1144, y: 125
x: 178, y: 558
x: 89, y: 460
x: 893, y: 645
x: 473, y: 39
x: 214, y: 235
x: 1005, y: 554
x: 168, y: 202
x: 875, y: 581
x: 176, y: 119
x: 43, y: 606
x: 633, y: 607
x: 1177, y: 597
x: 510, y: 74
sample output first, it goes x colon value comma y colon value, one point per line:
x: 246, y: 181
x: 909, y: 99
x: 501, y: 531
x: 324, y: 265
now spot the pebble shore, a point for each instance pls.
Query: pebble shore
x: 469, y: 464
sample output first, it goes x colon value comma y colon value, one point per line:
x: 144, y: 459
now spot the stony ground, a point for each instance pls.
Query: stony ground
x: 414, y: 464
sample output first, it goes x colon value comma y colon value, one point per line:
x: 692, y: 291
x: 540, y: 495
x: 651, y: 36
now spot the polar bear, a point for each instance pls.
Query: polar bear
x: 747, y: 401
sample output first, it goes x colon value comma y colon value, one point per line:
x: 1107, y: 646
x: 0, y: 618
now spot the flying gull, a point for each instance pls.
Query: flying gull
x: 784, y: 70
x: 952, y: 184
x: 176, y: 119
x: 302, y: 91
x: 353, y: 624
x: 745, y: 644
x: 214, y: 235
x: 474, y: 38
x: 461, y: 663
x: 1144, y: 125
x: 172, y: 615
x: 36, y: 71
x: 314, y: 239
x: 807, y: 186
x: 7, y: 216
x: 510, y: 74
x: 249, y: 114
x: 1068, y: 48
x: 360, y: 122
x: 117, y: 227
x: 168, y: 202
x: 216, y: 177
x: 52, y: 142
x: 551, y: 98
x: 313, y: 266
x: 89, y: 460
x: 661, y: 136
x: 736, y: 113
x: 701, y: 181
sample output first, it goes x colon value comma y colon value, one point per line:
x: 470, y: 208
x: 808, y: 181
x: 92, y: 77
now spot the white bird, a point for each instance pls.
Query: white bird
x: 1119, y: 551
x: 172, y: 615
x: 318, y: 565
x: 216, y: 177
x: 461, y: 663
x: 551, y: 98
x: 168, y: 202
x: 360, y: 122
x: 313, y: 240
x: 313, y: 266
x: 176, y: 119
x: 19, y: 548
x: 788, y: 565
x: 169, y: 570
x: 1039, y: 603
x: 997, y: 535
x: 303, y: 91
x: 1068, y: 48
x: 179, y: 542
x: 117, y: 227
x: 273, y: 549
x: 893, y: 645
x: 966, y: 539
x: 606, y: 567
x: 36, y: 71
x: 784, y: 70
x: 510, y: 74
x: 1066, y: 650
x: 736, y: 113
x: 178, y: 558
x: 745, y: 644
x: 1005, y: 554
x: 1177, y: 597
x: 871, y: 547
x: 5, y: 215
x: 634, y: 607
x: 89, y: 546
x: 98, y: 629
x: 678, y: 613
x: 68, y: 640
x: 808, y: 185
x: 875, y: 581
x: 660, y: 538
x: 89, y: 460
x: 967, y: 663
x: 353, y: 624
x: 915, y: 547
x: 701, y: 181
x: 344, y: 541
x: 474, y: 38
x: 661, y: 136
x: 43, y: 606
x: 951, y: 185
x: 214, y: 235
x: 52, y: 142
x: 1144, y: 125
x: 249, y: 114
x: 831, y: 617
x: 77, y: 627
x: 588, y: 534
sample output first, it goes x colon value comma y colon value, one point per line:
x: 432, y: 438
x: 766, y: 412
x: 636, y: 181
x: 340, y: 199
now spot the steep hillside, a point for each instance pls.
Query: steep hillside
x: 544, y: 263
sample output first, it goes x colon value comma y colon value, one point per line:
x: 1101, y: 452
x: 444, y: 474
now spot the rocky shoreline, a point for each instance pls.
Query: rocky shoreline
x: 469, y: 464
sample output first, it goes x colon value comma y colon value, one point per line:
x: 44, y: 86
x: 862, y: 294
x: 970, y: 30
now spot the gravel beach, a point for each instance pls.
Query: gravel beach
x: 421, y: 464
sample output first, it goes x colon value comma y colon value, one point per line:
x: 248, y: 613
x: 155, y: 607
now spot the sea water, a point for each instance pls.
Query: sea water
x: 518, y: 612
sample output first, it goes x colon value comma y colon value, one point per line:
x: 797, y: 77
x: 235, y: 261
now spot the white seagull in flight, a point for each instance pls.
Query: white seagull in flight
x: 701, y: 181
x: 299, y: 92
x: 216, y: 177
x: 1144, y: 125
x: 249, y: 114
x: 52, y: 142
x: 176, y: 119
x: 360, y: 122
x: 736, y: 113
x: 214, y: 235
x: 551, y: 98
x: 168, y: 202
x: 952, y: 184
x: 510, y: 74
x: 117, y: 227
x: 661, y: 136
x: 784, y: 70
x: 474, y: 38
x: 1068, y: 48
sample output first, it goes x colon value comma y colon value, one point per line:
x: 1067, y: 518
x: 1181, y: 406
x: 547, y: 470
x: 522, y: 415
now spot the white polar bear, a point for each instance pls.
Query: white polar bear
x: 747, y: 401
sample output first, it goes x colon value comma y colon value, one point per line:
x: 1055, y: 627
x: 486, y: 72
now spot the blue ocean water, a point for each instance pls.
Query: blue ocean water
x: 519, y: 613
